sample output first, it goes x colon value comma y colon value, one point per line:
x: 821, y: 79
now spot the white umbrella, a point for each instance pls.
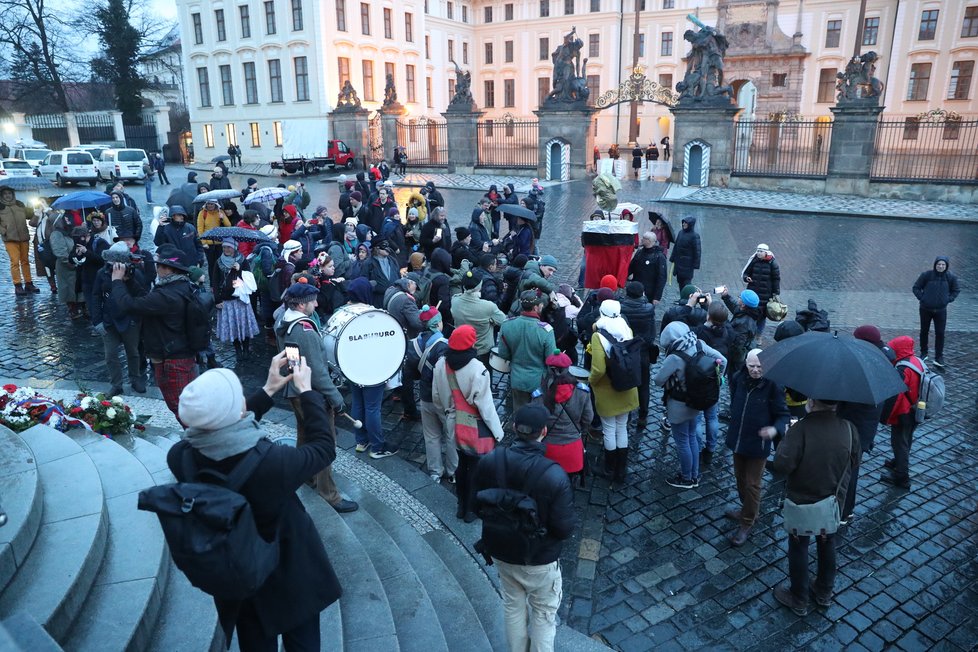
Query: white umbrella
x: 218, y: 195
x: 265, y: 194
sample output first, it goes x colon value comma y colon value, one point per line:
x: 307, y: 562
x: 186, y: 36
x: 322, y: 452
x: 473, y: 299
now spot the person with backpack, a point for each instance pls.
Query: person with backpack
x: 223, y: 436
x: 524, y: 544
x: 462, y: 391
x: 691, y: 374
x: 935, y: 289
x: 899, y: 412
x: 423, y: 353
x: 718, y: 334
x: 685, y: 255
x: 526, y: 342
x: 172, y: 327
x: 440, y: 290
x: 639, y: 314
x: 613, y: 399
x: 568, y: 401
x: 484, y: 316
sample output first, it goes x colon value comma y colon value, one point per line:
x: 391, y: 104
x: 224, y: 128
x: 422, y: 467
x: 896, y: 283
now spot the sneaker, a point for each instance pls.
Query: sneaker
x: 450, y: 478
x: 696, y: 482
x: 436, y: 478
x: 845, y: 520
x: 665, y: 424
x: 362, y: 448
x: 382, y: 453
x: 891, y: 479
x: 784, y: 595
x: 939, y: 363
x: 924, y: 358
x: 680, y: 482
x: 821, y: 600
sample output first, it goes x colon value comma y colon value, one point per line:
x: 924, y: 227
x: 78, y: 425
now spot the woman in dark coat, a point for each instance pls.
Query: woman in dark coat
x: 686, y: 253
x: 637, y: 159
x: 763, y: 275
x: 303, y: 584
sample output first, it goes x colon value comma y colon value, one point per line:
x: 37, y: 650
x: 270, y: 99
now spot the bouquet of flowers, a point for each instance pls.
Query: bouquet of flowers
x: 23, y: 407
x: 106, y: 416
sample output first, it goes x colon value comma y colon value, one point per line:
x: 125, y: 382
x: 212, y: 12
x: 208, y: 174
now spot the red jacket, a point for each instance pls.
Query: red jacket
x: 246, y: 247
x: 903, y: 348
x: 287, y: 226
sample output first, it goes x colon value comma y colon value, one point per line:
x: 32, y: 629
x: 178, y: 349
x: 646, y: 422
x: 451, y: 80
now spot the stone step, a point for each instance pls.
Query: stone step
x: 414, y: 614
x: 59, y: 571
x: 124, y: 603
x: 459, y: 621
x: 21, y: 633
x: 21, y: 499
x: 367, y: 620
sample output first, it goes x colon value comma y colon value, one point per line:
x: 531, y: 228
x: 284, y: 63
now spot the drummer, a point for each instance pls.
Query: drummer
x: 569, y: 403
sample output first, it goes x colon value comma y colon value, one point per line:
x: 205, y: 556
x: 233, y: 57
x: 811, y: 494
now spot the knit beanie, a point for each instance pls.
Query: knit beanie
x: 430, y: 317
x: 604, y: 294
x: 750, y: 298
x: 470, y: 281
x: 356, y: 194
x: 520, y: 260
x: 462, y: 338
x: 634, y: 289
x: 416, y: 259
x: 868, y: 333
x: 214, y: 400
x: 687, y: 292
x: 461, y: 233
x: 560, y: 360
x: 610, y: 282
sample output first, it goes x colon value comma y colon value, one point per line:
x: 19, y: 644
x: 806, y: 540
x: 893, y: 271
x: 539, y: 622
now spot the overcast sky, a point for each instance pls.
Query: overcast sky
x: 165, y: 9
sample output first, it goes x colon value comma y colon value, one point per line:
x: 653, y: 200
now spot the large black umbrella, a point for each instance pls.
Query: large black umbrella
x: 235, y: 233
x: 183, y: 196
x: 832, y: 367
x: 27, y: 184
x: 518, y: 211
x: 222, y: 157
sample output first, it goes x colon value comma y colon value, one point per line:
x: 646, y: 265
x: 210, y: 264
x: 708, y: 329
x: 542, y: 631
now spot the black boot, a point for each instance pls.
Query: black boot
x: 212, y: 362
x: 610, y: 463
x: 237, y: 349
x: 621, y: 465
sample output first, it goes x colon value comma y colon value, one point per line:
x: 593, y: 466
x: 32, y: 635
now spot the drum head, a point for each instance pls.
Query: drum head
x: 579, y: 372
x: 370, y: 348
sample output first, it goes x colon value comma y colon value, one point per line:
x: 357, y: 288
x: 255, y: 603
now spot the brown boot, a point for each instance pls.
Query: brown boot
x: 19, y: 290
x: 30, y: 287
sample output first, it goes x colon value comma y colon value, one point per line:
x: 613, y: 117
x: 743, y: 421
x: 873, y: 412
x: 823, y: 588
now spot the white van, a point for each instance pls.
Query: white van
x: 69, y: 167
x: 125, y: 164
x: 33, y: 155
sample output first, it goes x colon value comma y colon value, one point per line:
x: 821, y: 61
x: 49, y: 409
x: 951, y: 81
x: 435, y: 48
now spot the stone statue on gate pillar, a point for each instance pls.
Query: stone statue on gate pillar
x: 462, y: 101
x: 703, y: 81
x: 347, y: 99
x: 569, y: 76
x: 391, y: 105
x: 858, y: 86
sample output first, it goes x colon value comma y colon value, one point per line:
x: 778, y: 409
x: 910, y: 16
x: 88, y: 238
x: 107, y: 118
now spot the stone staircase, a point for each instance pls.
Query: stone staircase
x: 82, y: 569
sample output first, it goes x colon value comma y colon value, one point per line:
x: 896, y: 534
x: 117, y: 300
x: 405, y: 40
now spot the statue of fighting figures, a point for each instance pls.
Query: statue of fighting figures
x: 703, y: 81
x: 858, y: 83
x: 348, y: 100
x: 569, y: 76
x: 390, y: 92
x: 462, y: 100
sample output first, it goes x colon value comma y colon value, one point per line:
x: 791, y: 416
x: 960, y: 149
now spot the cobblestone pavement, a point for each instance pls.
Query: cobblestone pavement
x: 650, y: 565
x: 833, y: 204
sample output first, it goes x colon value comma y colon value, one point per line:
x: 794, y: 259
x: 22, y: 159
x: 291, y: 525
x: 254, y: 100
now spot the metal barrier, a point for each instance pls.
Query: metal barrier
x: 508, y: 143
x: 781, y: 148
x: 425, y: 142
x: 936, y: 146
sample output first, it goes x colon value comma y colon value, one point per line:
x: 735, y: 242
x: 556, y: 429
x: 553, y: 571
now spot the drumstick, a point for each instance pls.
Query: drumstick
x: 356, y: 422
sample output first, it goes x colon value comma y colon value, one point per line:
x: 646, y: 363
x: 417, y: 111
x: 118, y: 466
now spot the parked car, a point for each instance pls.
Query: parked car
x: 69, y: 167
x: 125, y: 164
x: 93, y: 149
x: 33, y: 155
x: 14, y: 167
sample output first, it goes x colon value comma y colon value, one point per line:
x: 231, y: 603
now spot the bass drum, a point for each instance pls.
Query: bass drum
x: 365, y: 344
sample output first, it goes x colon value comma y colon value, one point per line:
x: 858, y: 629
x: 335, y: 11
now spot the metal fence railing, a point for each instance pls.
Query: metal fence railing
x: 918, y: 149
x: 508, y: 144
x: 425, y: 142
x: 95, y: 127
x: 776, y: 148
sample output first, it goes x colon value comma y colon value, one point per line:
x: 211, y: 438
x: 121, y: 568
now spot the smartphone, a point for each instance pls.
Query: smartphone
x: 792, y: 421
x: 719, y: 289
x: 437, y: 233
x: 292, y: 355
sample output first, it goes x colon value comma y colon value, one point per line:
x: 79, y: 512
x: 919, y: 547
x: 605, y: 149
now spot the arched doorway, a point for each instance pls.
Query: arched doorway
x: 696, y: 163
x: 558, y: 160
x: 746, y: 98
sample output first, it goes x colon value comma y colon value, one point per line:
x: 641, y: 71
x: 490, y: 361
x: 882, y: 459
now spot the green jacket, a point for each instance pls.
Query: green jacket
x: 534, y: 280
x: 482, y: 315
x: 526, y: 343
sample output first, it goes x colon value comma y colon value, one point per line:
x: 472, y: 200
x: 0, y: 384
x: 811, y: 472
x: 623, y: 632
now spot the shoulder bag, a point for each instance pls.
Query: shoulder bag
x: 817, y: 518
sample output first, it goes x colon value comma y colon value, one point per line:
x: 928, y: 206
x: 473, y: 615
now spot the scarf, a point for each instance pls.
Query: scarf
x: 172, y: 278
x: 456, y: 360
x: 684, y: 343
x: 227, y: 442
x: 225, y: 262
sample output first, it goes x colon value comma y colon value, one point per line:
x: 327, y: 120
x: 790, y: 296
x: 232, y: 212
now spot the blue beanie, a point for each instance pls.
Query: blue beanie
x: 750, y: 298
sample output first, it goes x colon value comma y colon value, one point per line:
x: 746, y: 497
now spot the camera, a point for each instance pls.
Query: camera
x: 703, y: 299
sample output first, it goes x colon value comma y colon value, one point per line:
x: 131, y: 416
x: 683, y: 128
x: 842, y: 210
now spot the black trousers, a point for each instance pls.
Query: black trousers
x: 643, y: 388
x: 850, y: 505
x: 465, y: 481
x: 798, y: 565
x: 901, y: 438
x: 251, y: 638
x: 939, y: 317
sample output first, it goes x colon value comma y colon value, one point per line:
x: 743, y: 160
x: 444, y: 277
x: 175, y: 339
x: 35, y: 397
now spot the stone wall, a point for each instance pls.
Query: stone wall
x: 572, y: 126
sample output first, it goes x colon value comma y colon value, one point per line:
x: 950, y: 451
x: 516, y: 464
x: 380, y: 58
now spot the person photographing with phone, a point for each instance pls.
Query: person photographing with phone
x: 297, y: 335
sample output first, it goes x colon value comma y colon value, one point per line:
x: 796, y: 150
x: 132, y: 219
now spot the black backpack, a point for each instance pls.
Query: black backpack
x: 510, y: 516
x: 210, y: 528
x: 198, y: 315
x: 623, y: 362
x: 701, y: 389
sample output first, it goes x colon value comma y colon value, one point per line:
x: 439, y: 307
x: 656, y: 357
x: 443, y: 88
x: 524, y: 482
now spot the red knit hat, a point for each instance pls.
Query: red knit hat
x: 560, y: 360
x: 462, y: 338
x: 610, y: 282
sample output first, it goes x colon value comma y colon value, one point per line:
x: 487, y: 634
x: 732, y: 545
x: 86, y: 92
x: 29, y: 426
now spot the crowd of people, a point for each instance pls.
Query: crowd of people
x: 476, y: 303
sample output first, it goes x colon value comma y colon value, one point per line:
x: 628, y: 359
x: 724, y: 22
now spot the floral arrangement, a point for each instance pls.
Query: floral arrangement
x: 23, y: 407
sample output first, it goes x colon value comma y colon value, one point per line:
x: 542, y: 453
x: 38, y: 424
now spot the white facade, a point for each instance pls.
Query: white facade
x: 419, y: 39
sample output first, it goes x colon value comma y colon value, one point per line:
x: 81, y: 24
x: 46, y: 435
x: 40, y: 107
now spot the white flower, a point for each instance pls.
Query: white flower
x: 87, y: 402
x: 110, y: 413
x: 117, y: 400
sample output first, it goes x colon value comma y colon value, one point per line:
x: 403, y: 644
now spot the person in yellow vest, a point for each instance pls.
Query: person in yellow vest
x: 463, y: 392
x: 210, y: 217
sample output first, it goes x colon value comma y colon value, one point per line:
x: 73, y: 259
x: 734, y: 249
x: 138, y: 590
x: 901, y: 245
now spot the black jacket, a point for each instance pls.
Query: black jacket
x: 104, y: 310
x: 183, y: 237
x: 679, y: 311
x: 479, y: 234
x: 304, y: 583
x: 219, y: 184
x: 462, y: 251
x: 765, y: 278
x: 428, y: 231
x: 648, y: 267
x: 492, y: 289
x: 686, y: 252
x: 640, y: 315
x: 718, y: 337
x: 754, y: 404
x: 165, y: 330
x: 553, y: 495
x: 936, y: 289
x: 441, y: 278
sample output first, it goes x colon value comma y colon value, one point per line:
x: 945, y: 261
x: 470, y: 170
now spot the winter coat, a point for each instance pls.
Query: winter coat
x: 415, y: 351
x: 480, y: 232
x: 428, y: 245
x: 377, y: 212
x: 441, y: 291
x: 754, y: 404
x: 13, y: 222
x: 482, y: 315
x: 125, y: 220
x: 207, y: 220
x: 936, y: 289
x: 433, y: 195
x: 219, y: 184
x: 310, y: 235
x: 532, y: 279
x: 903, y: 403
x: 404, y: 309
x: 163, y: 312
x: 813, y: 456
x: 526, y: 342
x: 686, y: 252
x: 332, y: 296
x: 62, y: 247
x: 295, y: 328
x: 718, y: 336
x: 865, y: 418
x: 648, y: 267
x: 608, y: 401
x: 694, y: 317
x: 552, y: 492
x: 303, y: 584
x: 381, y: 280
x: 765, y: 278
x: 104, y: 309
x: 570, y: 418
x: 462, y: 251
x: 640, y: 315
x: 183, y: 237
x: 492, y: 289
x: 475, y: 384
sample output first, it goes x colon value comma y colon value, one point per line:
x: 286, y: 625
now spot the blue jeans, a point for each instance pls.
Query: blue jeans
x: 688, y: 448
x: 712, y: 429
x: 366, y: 408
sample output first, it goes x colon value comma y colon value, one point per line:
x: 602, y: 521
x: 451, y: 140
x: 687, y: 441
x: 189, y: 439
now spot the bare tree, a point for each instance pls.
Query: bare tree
x: 41, y: 50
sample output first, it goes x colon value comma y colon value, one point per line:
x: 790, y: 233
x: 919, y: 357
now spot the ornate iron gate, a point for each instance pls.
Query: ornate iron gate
x: 95, y: 127
x: 425, y: 142
x: 508, y: 143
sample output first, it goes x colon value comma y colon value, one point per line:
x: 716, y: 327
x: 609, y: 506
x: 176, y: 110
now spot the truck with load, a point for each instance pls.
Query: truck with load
x: 307, y: 148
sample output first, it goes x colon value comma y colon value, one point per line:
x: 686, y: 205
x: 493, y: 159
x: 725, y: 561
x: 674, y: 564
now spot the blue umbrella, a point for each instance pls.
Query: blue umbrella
x: 82, y: 199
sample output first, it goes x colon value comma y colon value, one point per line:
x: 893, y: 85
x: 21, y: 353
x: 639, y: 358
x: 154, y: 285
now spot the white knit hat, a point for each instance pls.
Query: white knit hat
x: 214, y: 400
x: 289, y: 247
x: 610, y: 308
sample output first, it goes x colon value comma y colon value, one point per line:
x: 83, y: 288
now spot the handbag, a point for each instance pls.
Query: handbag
x: 817, y: 518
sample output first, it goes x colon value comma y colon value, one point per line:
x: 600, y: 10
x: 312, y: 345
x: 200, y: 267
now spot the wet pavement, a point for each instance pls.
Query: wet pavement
x: 650, y: 565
